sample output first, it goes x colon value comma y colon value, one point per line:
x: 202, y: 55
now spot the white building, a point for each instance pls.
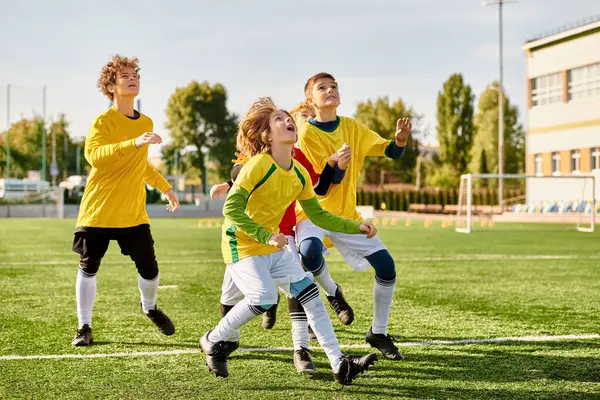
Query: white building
x: 563, y: 110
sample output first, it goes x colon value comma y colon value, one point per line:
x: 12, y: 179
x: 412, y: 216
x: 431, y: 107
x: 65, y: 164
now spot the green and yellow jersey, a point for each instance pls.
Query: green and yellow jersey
x: 115, y: 196
x: 257, y: 201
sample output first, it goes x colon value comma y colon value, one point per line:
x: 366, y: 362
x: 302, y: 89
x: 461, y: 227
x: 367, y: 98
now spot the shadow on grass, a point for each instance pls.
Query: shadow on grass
x: 503, y: 364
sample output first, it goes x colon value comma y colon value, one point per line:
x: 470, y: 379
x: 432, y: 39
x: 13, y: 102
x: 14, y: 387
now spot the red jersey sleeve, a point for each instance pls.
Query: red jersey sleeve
x: 301, y: 158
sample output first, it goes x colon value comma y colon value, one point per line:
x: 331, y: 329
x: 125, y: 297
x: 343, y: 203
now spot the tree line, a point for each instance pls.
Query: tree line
x: 202, y: 132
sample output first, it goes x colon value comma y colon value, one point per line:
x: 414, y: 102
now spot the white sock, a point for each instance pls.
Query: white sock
x: 230, y: 325
x: 325, y: 280
x: 383, y: 294
x: 148, y: 292
x: 85, y: 292
x: 299, y: 324
x: 321, y: 324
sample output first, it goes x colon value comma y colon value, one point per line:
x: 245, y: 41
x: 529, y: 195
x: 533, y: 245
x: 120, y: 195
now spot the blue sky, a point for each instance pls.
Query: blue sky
x: 398, y: 48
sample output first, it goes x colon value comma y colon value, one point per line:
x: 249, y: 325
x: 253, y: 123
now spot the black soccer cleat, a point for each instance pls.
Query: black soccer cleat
x: 303, y: 361
x: 160, y: 319
x: 352, y: 366
x: 216, y: 356
x: 230, y: 347
x: 341, y: 307
x: 83, y: 336
x: 385, y: 344
x: 312, y: 335
x: 270, y: 316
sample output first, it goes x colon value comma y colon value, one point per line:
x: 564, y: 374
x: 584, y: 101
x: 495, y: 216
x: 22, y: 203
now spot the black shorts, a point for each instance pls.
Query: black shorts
x: 92, y: 243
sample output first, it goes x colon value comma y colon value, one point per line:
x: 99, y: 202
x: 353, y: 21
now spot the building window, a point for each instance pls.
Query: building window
x: 575, y: 158
x: 595, y: 159
x: 583, y: 82
x: 546, y: 89
x: 556, y: 163
x: 537, y: 164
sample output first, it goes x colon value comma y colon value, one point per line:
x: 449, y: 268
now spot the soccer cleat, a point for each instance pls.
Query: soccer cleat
x: 385, y: 344
x: 341, y: 307
x: 161, y: 320
x: 312, y: 335
x: 270, y: 316
x: 216, y: 355
x: 83, y: 336
x: 229, y: 347
x: 351, y: 366
x: 303, y: 361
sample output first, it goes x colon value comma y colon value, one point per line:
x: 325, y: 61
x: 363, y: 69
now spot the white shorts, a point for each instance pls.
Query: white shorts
x: 279, y: 263
x: 353, y: 247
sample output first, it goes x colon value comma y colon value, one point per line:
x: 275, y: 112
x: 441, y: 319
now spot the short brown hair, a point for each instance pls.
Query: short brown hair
x: 108, y: 75
x: 253, y: 132
x: 311, y: 81
x: 303, y: 105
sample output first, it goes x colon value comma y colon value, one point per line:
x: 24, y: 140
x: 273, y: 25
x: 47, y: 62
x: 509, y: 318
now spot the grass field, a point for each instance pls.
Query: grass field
x: 511, y: 281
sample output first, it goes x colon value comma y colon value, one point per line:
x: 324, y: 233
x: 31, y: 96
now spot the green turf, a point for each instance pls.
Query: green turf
x: 512, y: 280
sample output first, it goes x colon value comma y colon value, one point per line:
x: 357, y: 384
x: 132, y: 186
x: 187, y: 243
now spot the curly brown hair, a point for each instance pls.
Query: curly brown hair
x: 254, y: 128
x: 108, y: 75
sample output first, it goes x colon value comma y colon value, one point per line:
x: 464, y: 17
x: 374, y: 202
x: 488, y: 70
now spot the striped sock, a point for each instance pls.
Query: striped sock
x: 230, y: 325
x: 321, y: 324
x: 299, y: 324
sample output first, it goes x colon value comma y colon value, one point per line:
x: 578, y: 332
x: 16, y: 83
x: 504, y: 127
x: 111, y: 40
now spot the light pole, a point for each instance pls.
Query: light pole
x: 44, y: 140
x: 8, y: 131
x: 500, y: 3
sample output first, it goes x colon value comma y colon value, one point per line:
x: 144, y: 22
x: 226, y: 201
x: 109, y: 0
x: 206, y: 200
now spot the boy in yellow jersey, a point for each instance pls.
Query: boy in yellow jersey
x: 113, y: 206
x: 254, y: 249
x: 326, y: 133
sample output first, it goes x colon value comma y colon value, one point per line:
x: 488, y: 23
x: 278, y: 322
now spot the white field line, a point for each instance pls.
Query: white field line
x: 455, y: 257
x: 277, y: 349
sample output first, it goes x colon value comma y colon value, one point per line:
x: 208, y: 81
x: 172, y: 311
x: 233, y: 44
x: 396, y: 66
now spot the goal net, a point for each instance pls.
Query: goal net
x: 567, y: 200
x: 47, y: 203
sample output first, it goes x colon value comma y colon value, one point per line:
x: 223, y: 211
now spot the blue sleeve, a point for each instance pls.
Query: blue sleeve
x: 325, y: 180
x: 338, y: 174
x: 393, y: 151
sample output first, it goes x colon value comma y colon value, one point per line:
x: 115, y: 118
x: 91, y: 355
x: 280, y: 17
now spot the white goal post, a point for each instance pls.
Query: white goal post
x: 47, y: 203
x: 561, y: 199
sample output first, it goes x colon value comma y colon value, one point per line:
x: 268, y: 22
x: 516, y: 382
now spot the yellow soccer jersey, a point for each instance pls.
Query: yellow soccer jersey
x: 318, y: 145
x: 115, y: 196
x: 271, y: 191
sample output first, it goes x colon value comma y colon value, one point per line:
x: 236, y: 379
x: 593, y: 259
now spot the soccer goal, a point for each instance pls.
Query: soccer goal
x: 47, y: 203
x: 567, y: 199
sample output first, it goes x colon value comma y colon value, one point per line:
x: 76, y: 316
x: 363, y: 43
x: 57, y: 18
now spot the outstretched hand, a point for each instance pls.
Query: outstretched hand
x: 147, y: 138
x: 403, y: 130
x: 173, y: 201
x: 218, y: 190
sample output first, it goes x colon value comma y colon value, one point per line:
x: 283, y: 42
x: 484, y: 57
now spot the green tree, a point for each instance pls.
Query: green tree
x: 26, y: 148
x: 197, y: 116
x: 455, y: 123
x: 485, y: 142
x: 381, y: 116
